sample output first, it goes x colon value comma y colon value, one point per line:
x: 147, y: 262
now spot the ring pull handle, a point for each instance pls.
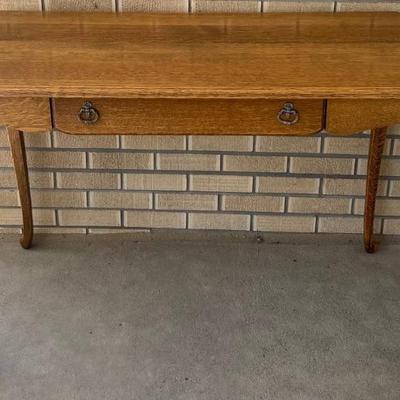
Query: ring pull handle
x: 288, y: 115
x: 88, y: 114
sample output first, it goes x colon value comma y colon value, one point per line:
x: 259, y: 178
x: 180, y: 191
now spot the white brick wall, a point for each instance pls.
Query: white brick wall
x: 277, y: 184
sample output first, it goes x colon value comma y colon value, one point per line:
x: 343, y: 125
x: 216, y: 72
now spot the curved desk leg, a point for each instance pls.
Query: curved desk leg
x: 21, y: 170
x: 377, y: 143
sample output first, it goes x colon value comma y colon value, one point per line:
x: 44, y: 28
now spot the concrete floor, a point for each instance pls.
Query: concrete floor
x: 216, y: 317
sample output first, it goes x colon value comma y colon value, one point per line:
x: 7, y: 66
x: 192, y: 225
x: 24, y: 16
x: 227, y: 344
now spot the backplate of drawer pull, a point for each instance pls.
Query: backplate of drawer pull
x: 88, y: 114
x: 288, y: 115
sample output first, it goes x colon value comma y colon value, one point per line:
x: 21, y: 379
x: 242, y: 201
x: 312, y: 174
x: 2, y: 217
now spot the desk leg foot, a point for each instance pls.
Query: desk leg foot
x: 17, y: 145
x: 377, y: 143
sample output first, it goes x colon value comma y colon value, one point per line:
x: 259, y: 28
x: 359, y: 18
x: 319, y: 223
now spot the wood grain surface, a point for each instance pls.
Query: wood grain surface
x: 17, y: 145
x: 26, y: 114
x: 186, y: 116
x: 350, y: 116
x: 377, y: 144
x: 319, y: 55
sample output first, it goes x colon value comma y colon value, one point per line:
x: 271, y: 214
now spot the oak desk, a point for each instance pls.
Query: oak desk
x: 289, y: 74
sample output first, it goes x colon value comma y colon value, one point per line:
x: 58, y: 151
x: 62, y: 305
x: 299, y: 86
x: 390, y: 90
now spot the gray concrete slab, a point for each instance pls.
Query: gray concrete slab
x: 199, y: 316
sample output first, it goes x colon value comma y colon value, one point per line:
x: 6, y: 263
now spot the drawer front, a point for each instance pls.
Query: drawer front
x: 28, y: 114
x: 346, y: 117
x: 188, y: 116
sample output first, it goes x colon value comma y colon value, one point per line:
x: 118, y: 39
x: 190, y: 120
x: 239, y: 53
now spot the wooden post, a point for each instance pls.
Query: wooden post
x: 377, y: 143
x: 21, y: 170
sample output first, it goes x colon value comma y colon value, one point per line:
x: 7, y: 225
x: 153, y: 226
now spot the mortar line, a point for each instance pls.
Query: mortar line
x: 276, y: 174
x: 219, y: 201
x: 392, y: 146
x: 122, y: 218
x: 286, y: 205
x: 203, y: 193
x: 388, y: 187
x: 355, y: 167
x: 271, y: 154
x: 352, y: 206
x: 53, y: 179
x: 383, y: 224
x: 187, y: 183
x: 288, y: 164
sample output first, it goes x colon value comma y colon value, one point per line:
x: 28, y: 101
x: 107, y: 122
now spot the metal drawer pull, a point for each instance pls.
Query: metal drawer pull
x: 88, y: 114
x: 288, y: 115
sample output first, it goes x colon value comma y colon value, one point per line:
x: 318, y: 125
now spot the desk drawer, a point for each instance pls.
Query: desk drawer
x: 28, y: 114
x: 188, y: 116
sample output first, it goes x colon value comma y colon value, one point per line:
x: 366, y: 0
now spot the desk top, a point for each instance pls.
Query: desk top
x: 351, y: 55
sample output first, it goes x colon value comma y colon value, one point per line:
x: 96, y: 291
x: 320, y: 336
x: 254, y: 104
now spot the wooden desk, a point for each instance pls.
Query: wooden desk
x: 289, y: 74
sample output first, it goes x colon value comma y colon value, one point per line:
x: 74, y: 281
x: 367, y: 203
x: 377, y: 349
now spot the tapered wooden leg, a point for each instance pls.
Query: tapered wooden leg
x: 377, y: 143
x: 21, y: 170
